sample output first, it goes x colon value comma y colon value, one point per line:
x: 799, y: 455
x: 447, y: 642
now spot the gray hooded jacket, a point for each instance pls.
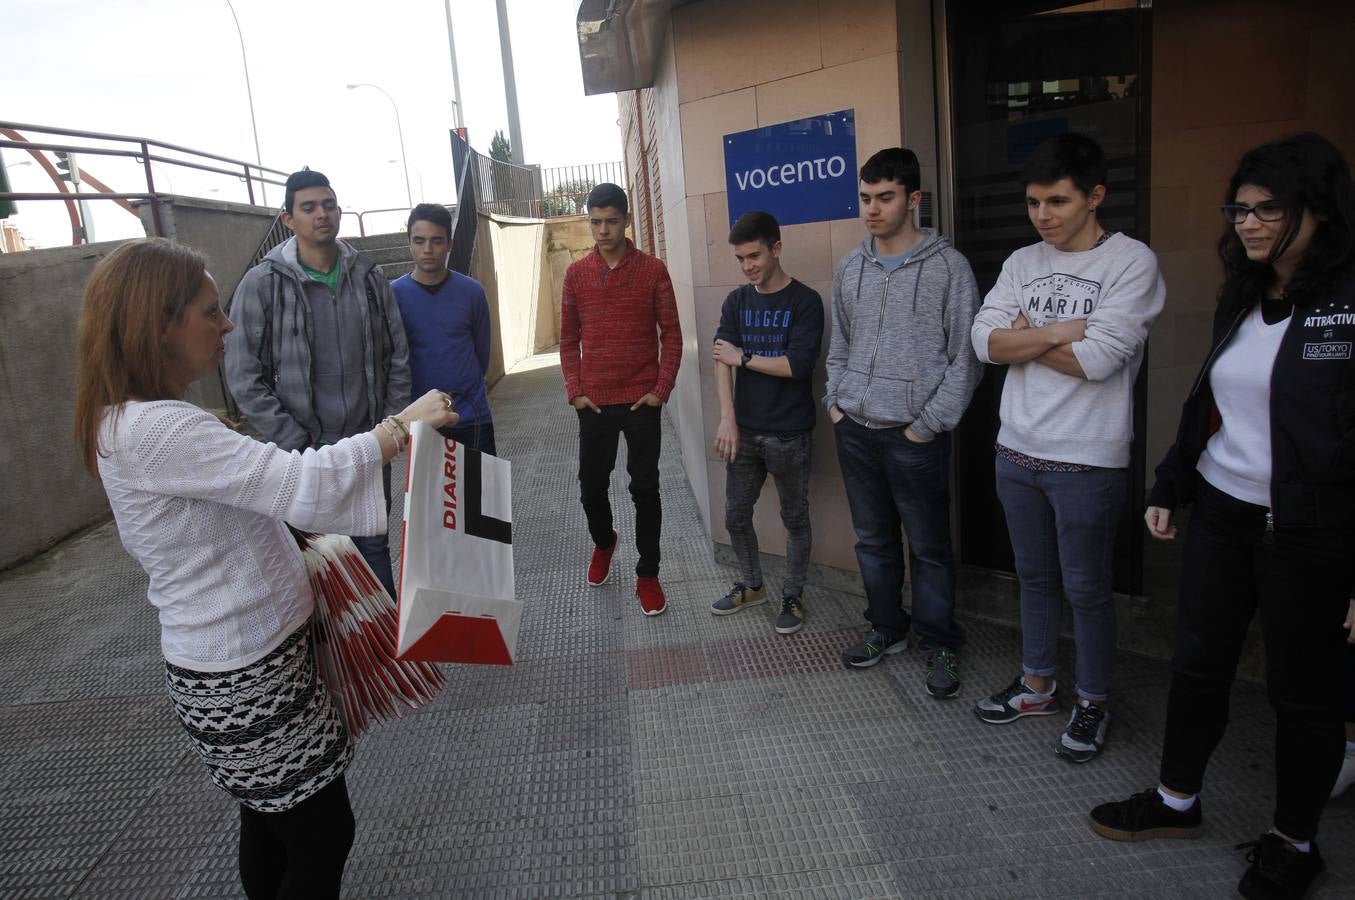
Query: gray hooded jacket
x: 900, y: 351
x: 270, y: 356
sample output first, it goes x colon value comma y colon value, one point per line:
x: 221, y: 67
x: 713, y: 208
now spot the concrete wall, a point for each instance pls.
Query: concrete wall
x: 510, y: 260
x: 45, y: 492
x: 1205, y: 116
x: 809, y: 59
x: 227, y: 233
x: 567, y: 240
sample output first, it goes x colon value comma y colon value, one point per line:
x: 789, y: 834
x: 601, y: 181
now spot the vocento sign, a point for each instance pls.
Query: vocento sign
x: 800, y: 171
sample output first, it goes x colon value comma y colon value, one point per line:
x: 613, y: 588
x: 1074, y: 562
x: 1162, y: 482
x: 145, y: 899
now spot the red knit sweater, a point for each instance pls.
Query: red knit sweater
x: 619, y: 333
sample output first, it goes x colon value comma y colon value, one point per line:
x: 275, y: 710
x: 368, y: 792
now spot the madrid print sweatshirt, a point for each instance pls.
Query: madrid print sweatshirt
x: 1118, y: 289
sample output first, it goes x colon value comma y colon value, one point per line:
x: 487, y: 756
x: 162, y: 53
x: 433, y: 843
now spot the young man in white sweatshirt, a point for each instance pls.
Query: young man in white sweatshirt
x: 1070, y: 316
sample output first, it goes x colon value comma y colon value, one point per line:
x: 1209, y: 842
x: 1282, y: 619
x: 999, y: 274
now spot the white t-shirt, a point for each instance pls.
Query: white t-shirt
x: 1237, y: 458
x: 201, y: 508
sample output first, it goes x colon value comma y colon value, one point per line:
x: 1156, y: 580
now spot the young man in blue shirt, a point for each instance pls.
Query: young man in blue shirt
x: 446, y: 320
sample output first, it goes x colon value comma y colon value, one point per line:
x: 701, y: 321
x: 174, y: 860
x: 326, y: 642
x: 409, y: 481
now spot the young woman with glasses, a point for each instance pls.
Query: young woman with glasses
x: 1266, y: 452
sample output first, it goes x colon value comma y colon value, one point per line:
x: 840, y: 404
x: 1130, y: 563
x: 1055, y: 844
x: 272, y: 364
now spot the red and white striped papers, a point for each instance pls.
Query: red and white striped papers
x: 355, y: 627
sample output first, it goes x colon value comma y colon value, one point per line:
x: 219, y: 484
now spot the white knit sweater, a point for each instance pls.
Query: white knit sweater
x: 201, y: 508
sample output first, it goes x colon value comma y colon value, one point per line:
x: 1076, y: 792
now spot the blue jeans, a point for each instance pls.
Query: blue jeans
x: 1062, y: 527
x: 897, y: 487
x: 478, y: 436
x: 376, y: 548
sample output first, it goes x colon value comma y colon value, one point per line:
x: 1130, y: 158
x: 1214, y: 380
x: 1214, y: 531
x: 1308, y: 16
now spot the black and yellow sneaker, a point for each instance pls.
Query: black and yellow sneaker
x: 943, y: 673
x: 872, y: 648
x: 739, y: 597
x: 792, y: 617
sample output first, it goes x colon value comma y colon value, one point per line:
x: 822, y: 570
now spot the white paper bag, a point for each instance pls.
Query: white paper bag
x: 457, y: 599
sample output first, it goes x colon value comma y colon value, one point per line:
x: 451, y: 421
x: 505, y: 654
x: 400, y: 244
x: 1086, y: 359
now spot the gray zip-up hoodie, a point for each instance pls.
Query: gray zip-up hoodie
x: 271, y: 364
x: 900, y: 351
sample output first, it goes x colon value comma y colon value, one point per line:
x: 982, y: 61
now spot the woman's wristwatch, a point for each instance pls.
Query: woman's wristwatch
x: 747, y: 355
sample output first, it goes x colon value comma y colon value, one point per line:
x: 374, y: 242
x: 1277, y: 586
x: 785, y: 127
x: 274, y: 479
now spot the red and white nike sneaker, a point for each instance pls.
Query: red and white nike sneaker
x: 1015, y: 701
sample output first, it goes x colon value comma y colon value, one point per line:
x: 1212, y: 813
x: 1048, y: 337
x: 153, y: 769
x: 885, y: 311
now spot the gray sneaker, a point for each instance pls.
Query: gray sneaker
x: 739, y: 597
x: 943, y: 673
x: 792, y: 617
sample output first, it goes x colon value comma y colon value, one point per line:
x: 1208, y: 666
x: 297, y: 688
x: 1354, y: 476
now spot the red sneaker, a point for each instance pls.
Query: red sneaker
x: 600, y: 569
x: 651, y: 596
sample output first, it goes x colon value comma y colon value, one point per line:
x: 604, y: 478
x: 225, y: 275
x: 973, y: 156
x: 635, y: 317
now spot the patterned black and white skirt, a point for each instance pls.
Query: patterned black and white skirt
x: 268, y: 733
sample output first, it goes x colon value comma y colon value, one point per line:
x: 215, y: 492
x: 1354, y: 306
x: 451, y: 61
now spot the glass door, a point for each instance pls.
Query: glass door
x: 1019, y: 73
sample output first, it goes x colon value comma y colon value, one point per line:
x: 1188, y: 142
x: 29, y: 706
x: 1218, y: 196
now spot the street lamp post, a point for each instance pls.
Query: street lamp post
x: 249, y: 92
x: 399, y: 130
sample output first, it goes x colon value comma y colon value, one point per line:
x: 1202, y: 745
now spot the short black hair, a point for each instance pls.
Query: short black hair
x: 894, y: 164
x: 299, y: 181
x: 431, y: 212
x: 608, y: 194
x: 755, y: 225
x: 1067, y: 155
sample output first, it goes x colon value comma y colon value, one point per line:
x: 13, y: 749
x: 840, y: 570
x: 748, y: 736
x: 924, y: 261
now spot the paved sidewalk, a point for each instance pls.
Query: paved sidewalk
x: 624, y: 757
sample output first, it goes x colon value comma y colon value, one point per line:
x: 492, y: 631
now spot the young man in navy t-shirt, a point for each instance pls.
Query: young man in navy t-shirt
x: 770, y: 331
x: 446, y: 319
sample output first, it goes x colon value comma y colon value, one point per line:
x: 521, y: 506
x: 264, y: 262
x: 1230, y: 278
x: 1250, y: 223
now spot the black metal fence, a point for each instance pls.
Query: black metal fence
x: 531, y: 192
x: 565, y: 188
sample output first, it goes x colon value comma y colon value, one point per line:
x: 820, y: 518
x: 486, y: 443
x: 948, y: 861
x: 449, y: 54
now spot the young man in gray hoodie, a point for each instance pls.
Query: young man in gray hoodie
x: 900, y: 375
x: 318, y: 352
x: 1069, y: 315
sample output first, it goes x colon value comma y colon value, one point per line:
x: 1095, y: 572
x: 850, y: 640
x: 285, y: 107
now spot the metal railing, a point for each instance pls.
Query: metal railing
x: 565, y: 188
x: 142, y: 151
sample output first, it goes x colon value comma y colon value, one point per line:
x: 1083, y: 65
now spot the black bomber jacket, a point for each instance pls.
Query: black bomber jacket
x: 1312, y: 415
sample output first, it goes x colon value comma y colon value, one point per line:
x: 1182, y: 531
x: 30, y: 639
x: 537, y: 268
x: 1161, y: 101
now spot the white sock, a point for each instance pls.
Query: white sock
x: 1053, y: 686
x: 1300, y: 846
x: 1177, y: 803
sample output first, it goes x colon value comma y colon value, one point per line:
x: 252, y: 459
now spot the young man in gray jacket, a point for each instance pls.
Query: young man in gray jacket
x: 900, y: 374
x: 318, y: 352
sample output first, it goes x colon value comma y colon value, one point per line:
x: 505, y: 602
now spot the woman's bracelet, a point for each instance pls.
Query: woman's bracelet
x: 398, y: 432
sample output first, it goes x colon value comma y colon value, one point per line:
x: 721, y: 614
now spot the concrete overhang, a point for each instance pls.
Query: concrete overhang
x: 619, y: 42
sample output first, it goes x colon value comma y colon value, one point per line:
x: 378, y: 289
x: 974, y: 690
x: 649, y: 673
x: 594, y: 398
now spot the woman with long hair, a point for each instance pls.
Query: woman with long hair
x: 202, y: 509
x: 1266, y: 452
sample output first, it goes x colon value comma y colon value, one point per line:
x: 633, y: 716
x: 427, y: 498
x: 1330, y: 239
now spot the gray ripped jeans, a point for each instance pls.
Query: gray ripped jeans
x: 787, y: 459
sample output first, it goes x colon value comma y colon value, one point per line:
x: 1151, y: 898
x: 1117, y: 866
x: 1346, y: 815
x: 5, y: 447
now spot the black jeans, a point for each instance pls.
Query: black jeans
x: 479, y: 436
x: 787, y: 458
x: 375, y: 549
x: 599, y: 433
x: 299, y: 852
x: 1300, y: 580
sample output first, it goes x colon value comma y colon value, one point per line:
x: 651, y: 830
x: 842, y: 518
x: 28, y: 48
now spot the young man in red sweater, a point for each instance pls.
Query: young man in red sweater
x: 620, y: 346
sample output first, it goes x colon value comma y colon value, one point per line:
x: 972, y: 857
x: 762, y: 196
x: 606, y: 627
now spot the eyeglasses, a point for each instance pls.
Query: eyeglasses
x: 1268, y: 211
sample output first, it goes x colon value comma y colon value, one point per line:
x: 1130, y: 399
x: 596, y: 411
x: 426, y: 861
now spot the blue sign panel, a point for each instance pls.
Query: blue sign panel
x: 801, y: 171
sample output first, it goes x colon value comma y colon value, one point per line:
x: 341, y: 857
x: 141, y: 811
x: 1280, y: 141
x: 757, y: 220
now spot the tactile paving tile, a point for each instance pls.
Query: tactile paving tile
x: 691, y: 840
x: 591, y: 768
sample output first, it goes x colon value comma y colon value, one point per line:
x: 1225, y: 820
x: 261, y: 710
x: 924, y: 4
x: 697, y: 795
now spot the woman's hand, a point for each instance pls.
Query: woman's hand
x: 434, y: 409
x: 1159, y: 522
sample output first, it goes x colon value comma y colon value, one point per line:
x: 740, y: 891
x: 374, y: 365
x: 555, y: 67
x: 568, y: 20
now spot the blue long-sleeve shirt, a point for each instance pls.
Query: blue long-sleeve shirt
x: 448, y: 332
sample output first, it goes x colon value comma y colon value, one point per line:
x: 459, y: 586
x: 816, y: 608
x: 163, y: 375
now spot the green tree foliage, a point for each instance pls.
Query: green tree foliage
x: 500, y: 148
x: 567, y: 198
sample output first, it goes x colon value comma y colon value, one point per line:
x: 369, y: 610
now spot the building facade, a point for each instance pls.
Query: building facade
x: 1174, y: 90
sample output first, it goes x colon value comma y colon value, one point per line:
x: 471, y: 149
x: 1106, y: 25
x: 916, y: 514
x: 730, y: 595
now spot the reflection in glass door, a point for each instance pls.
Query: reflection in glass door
x: 1019, y: 73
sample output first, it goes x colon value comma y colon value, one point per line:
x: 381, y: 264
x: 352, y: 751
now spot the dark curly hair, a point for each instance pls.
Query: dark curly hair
x: 1301, y: 172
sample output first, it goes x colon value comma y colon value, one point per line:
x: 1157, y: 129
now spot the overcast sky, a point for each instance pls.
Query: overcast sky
x: 171, y: 70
